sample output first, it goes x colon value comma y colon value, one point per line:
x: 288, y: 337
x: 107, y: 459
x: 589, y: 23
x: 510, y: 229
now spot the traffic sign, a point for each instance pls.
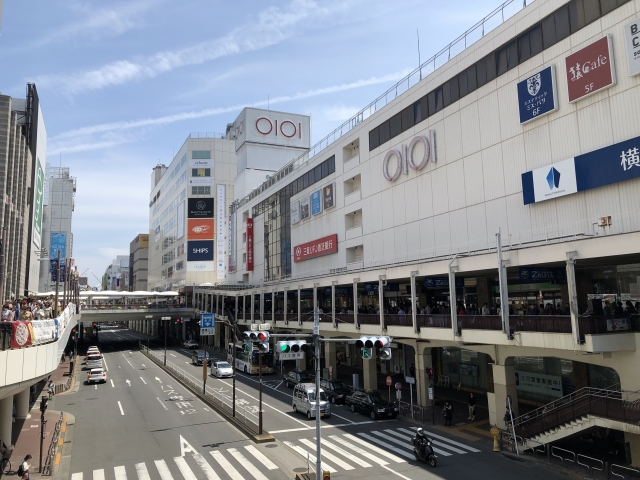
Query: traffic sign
x: 330, y: 370
x: 399, y: 394
x: 410, y: 380
x: 207, y: 324
x: 430, y: 393
x: 398, y: 386
x: 389, y: 381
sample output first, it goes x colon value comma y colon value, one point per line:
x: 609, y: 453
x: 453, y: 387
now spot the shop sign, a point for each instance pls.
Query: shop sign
x: 632, y: 38
x: 372, y: 287
x: 553, y: 275
x: 442, y: 282
x: 316, y: 202
x: 37, y: 207
x: 295, y: 212
x: 200, y: 164
x: 404, y: 158
x: 605, y: 166
x: 590, y: 69
x: 21, y: 334
x: 221, y: 230
x: 199, y: 250
x: 58, y: 243
x: 200, y: 181
x: 537, y: 95
x: 539, y: 383
x: 249, y: 244
x: 340, y: 291
x: 328, y: 196
x: 304, y: 208
x: 206, y: 266
x: 200, y: 229
x: 200, y: 207
x: 316, y: 248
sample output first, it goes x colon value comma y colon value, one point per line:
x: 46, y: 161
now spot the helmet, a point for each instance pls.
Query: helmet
x: 420, y: 431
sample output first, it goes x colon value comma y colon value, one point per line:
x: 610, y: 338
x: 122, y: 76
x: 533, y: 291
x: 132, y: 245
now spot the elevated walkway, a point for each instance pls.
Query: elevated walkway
x: 131, y: 314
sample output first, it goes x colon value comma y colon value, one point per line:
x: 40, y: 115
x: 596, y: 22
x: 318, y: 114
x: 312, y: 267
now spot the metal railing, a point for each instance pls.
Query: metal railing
x: 248, y: 415
x: 206, y: 135
x: 624, y: 476
x: 47, y: 468
x: 570, y: 458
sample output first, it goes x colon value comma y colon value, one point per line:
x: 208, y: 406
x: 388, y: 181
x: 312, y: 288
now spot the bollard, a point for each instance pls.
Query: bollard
x: 496, y: 433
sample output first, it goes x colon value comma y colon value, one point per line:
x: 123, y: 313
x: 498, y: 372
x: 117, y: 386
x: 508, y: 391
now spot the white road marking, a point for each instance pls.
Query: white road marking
x: 158, y: 380
x: 172, y: 355
x: 327, y: 455
x: 76, y: 476
x: 187, y: 473
x: 163, y: 470
x: 120, y: 473
x: 288, y: 430
x: 360, y: 451
x: 128, y: 382
x: 224, y: 463
x: 163, y: 405
x: 302, y: 452
x: 247, y: 465
x: 143, y: 380
x: 395, y: 473
x: 438, y: 443
x: 104, y: 360
x: 445, y: 439
x: 387, y: 446
x: 345, y: 419
x: 206, y: 468
x: 95, y: 386
x: 98, y: 474
x: 111, y: 380
x: 407, y: 440
x: 259, y: 456
x: 127, y: 360
x: 141, y: 470
x: 344, y: 453
x: 379, y: 451
x: 120, y: 405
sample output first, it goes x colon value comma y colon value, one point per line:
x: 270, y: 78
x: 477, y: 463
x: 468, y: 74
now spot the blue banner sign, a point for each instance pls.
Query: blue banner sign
x: 552, y: 275
x: 58, y: 244
x: 442, y: 282
x: 199, y: 250
x: 605, y: 166
x: 316, y: 202
x: 537, y: 95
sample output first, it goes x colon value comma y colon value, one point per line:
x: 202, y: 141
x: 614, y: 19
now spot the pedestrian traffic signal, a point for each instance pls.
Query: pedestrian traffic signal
x: 43, y: 403
x: 430, y: 372
x: 95, y: 324
x: 382, y: 345
x: 293, y: 346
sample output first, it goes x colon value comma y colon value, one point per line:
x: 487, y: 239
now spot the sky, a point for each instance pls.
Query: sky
x: 123, y: 83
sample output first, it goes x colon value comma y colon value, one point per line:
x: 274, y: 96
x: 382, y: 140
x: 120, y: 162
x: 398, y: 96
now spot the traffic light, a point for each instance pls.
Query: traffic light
x: 95, y: 324
x: 178, y: 321
x: 293, y: 346
x: 261, y: 337
x: 381, y: 344
x: 366, y: 353
x: 430, y: 372
x: 43, y: 403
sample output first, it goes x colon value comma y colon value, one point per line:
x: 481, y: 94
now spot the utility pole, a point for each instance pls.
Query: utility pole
x: 260, y: 406
x: 316, y: 347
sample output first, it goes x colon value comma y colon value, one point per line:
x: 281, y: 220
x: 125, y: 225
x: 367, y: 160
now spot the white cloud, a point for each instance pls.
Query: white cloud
x: 272, y: 26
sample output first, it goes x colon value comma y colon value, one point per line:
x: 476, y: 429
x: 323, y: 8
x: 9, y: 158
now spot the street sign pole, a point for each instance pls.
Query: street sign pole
x: 204, y: 374
x: 316, y: 344
x: 411, y: 397
x: 260, y: 406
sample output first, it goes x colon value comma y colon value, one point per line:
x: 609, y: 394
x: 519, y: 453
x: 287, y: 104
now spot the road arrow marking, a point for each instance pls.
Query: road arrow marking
x: 128, y: 383
x: 158, y: 379
x: 144, y: 366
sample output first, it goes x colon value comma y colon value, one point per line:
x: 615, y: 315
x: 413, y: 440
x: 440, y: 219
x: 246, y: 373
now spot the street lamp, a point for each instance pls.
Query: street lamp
x: 164, y: 319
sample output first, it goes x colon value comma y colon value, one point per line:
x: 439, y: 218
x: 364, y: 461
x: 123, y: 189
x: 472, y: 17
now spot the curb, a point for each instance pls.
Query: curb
x: 544, y: 465
x: 62, y: 461
x: 74, y: 387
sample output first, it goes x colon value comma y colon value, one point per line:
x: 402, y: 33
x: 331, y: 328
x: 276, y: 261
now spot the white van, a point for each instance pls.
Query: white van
x: 304, y: 400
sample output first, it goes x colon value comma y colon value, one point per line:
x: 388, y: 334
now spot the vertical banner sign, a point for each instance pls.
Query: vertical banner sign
x: 37, y: 207
x: 632, y: 38
x: 233, y: 264
x: 590, y: 69
x: 53, y: 267
x: 221, y: 231
x: 58, y: 244
x: 180, y: 221
x: 249, y: 244
x: 316, y: 202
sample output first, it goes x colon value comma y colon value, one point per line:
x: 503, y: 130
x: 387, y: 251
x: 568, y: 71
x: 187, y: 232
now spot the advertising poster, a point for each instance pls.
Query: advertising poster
x: 632, y: 39
x: 58, y: 244
x: 37, y: 207
x: 180, y: 221
x: 221, y: 241
x: 200, y: 208
x: 295, y: 212
x: 328, y: 196
x: 249, y: 244
x: 21, y: 334
x: 43, y: 331
x: 304, y: 208
x: 200, y: 229
x: 316, y: 202
x: 199, y: 250
x: 200, y: 266
x: 539, y: 383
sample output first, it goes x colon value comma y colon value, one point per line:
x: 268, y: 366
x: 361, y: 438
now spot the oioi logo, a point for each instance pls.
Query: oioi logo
x: 553, y: 178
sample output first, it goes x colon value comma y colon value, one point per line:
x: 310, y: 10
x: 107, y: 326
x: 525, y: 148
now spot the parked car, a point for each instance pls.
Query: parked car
x: 293, y: 378
x: 199, y: 356
x: 372, y: 403
x: 221, y: 369
x: 335, y: 390
x: 97, y: 375
x: 93, y: 361
x: 190, y: 344
x: 304, y: 400
x: 92, y: 351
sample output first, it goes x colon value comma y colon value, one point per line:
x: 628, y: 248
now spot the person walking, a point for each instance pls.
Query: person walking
x: 448, y: 413
x: 472, y: 407
x: 52, y: 388
x: 23, y: 469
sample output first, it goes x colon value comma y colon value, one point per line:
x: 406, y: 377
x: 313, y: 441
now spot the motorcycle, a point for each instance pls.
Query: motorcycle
x: 424, y: 454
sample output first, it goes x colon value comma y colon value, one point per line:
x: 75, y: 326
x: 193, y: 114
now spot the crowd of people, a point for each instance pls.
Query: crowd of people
x: 29, y: 309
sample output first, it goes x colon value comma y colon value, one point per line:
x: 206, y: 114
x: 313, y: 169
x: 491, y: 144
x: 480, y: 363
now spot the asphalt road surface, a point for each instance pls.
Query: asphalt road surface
x: 143, y: 424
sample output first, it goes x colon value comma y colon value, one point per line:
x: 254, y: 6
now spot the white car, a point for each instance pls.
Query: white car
x: 221, y: 369
x: 93, y: 361
x: 97, y: 375
x: 190, y: 344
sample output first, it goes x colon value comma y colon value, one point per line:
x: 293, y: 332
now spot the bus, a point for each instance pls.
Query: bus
x: 247, y: 360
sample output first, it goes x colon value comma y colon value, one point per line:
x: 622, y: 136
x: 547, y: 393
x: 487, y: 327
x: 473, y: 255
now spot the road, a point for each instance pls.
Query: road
x: 143, y: 424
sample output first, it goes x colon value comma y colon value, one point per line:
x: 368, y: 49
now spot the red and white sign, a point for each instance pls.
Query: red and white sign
x: 316, y: 248
x: 200, y: 229
x: 591, y: 69
x: 21, y: 334
x: 249, y: 244
x: 389, y: 381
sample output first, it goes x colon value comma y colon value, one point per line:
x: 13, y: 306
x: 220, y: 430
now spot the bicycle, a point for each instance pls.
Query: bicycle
x: 5, y: 463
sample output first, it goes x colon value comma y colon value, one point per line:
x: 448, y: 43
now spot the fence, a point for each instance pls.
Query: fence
x: 47, y: 468
x: 248, y: 415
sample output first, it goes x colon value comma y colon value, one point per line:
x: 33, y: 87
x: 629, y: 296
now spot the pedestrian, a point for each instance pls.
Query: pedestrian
x: 472, y: 407
x: 412, y: 370
x: 23, y: 469
x: 7, y: 314
x: 606, y: 311
x: 448, y: 413
x: 485, y: 309
x: 52, y: 388
x: 25, y: 312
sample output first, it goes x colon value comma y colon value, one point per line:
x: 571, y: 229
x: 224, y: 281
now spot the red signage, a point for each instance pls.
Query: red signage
x: 21, y: 334
x: 389, y: 381
x: 590, y: 70
x: 316, y: 248
x: 249, y: 244
x: 200, y: 228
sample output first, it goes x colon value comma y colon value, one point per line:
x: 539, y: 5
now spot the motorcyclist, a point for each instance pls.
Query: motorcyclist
x: 421, y: 441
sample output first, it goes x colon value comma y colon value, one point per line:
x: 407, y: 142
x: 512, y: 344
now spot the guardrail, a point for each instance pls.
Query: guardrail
x: 248, y: 415
x: 47, y: 468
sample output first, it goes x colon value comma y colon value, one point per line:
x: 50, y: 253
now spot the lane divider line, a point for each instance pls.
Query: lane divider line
x: 143, y: 380
x: 120, y: 406
x: 163, y: 405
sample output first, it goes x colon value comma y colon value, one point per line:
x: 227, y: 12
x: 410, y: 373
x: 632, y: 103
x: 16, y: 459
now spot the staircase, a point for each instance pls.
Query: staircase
x: 585, y: 408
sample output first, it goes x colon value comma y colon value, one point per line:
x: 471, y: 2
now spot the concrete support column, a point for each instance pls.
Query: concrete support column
x: 299, y: 305
x: 330, y: 358
x: 423, y: 362
x: 285, y: 306
x: 370, y: 372
x: 184, y: 330
x: 504, y: 383
x: 333, y: 304
x: 235, y: 314
x: 252, y: 305
x: 381, y: 280
x: 483, y: 289
x: 6, y: 419
x: 273, y: 306
x: 355, y: 303
x: 22, y: 404
x: 261, y: 305
x: 414, y: 322
x: 573, y: 294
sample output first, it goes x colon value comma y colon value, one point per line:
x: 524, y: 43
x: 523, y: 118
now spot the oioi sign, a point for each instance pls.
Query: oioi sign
x: 405, y: 158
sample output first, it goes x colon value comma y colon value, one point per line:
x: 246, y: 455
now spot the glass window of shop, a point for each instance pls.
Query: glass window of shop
x: 615, y: 283
x: 466, y: 368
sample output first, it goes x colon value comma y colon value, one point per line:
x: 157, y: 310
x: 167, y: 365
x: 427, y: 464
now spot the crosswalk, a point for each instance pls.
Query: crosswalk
x: 241, y: 463
x: 379, y: 447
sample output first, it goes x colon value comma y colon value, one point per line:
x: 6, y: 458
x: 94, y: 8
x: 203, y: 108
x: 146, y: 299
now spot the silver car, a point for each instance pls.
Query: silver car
x: 93, y: 361
x: 221, y: 369
x: 304, y: 400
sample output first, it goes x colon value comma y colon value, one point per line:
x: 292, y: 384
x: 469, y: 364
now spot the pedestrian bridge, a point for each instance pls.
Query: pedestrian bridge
x: 101, y: 314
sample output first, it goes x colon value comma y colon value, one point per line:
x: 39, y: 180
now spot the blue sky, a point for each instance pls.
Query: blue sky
x: 123, y: 83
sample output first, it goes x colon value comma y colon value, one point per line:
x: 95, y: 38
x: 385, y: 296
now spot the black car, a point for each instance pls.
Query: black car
x: 372, y: 403
x: 198, y: 357
x: 336, y: 390
x: 293, y: 378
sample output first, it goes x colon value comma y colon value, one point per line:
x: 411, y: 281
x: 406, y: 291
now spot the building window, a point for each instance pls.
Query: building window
x: 179, y: 265
x: 200, y: 190
x: 201, y: 154
x: 200, y: 172
x: 244, y: 258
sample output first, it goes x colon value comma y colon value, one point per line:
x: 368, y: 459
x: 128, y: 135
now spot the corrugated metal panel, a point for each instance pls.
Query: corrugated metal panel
x: 490, y: 125
x: 388, y: 239
x: 544, y: 219
x: 496, y: 216
x: 572, y: 214
x: 537, y: 150
x: 518, y: 218
x: 594, y: 126
x: 473, y: 179
x: 493, y: 172
x: 452, y: 138
x: 507, y: 112
x: 398, y: 206
x: 427, y: 235
x: 442, y: 234
x: 400, y: 240
x: 459, y: 233
x: 411, y: 200
x: 386, y: 209
x: 626, y: 105
x: 424, y: 201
